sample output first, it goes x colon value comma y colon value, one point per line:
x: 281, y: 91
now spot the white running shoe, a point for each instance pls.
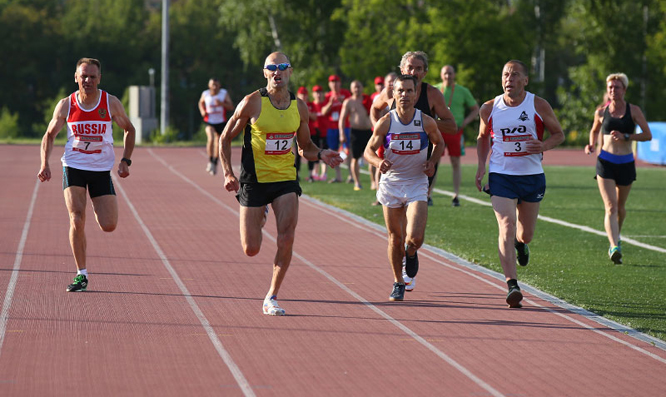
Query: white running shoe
x: 213, y: 169
x: 410, y: 282
x: 272, y: 308
x: 209, y: 167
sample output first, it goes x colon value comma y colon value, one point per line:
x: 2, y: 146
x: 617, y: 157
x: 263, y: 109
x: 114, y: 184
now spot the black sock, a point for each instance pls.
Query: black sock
x: 512, y: 283
x: 214, y: 160
x: 210, y: 159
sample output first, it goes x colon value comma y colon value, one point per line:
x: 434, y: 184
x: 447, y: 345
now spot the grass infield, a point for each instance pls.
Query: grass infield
x: 568, y: 263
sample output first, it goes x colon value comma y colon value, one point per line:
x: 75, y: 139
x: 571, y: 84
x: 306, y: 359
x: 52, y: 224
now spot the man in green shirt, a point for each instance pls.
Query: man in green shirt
x: 460, y: 101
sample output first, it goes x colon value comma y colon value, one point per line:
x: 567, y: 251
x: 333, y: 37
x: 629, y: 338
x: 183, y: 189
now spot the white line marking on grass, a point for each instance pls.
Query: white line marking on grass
x: 210, y: 331
x: 561, y: 223
x: 472, y: 270
x: 478, y: 381
x: 11, y: 286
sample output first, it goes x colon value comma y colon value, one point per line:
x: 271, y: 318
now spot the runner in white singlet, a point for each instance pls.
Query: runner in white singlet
x: 515, y: 120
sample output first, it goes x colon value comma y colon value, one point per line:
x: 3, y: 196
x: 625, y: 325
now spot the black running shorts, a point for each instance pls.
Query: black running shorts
x: 98, y: 183
x: 260, y: 194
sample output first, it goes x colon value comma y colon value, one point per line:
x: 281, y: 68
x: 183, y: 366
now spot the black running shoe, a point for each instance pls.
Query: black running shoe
x: 398, y: 292
x: 80, y: 284
x: 514, y: 297
x: 455, y: 202
x: 522, y: 253
x: 411, y: 264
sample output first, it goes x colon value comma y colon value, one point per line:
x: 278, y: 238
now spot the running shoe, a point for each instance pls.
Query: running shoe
x: 213, y: 169
x: 522, y: 253
x: 514, y: 297
x: 349, y: 179
x: 411, y: 264
x: 80, y: 284
x: 209, y: 167
x: 615, y: 254
x: 455, y: 202
x: 410, y: 282
x: 398, y: 292
x: 357, y: 188
x: 272, y: 308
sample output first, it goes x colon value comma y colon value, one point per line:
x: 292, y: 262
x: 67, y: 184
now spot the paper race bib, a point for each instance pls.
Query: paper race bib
x: 335, y: 116
x: 88, y: 144
x: 405, y: 144
x: 514, y: 145
x: 279, y: 143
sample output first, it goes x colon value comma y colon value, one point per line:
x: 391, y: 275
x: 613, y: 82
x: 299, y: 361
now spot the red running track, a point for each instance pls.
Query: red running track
x: 174, y: 306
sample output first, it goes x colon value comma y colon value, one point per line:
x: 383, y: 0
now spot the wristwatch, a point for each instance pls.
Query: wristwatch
x: 626, y: 137
x: 128, y: 161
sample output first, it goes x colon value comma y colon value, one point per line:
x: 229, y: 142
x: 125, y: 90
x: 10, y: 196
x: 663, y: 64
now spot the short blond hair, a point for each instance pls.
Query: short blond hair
x: 619, y: 76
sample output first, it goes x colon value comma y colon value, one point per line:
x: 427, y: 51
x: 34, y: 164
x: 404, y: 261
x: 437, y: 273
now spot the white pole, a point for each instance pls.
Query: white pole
x: 164, y: 111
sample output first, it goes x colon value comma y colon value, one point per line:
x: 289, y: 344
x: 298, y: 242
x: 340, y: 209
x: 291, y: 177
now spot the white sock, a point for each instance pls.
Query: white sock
x: 83, y: 271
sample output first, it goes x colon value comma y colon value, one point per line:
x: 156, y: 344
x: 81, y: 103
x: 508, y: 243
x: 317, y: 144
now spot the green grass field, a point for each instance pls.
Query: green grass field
x: 565, y: 262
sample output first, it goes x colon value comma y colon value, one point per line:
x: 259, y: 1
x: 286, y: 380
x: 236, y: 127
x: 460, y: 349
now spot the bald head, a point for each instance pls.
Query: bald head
x: 275, y: 58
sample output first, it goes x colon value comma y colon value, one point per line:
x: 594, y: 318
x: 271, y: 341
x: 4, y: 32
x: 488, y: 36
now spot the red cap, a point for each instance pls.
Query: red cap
x: 317, y: 88
x: 379, y: 80
x: 302, y: 90
x: 333, y: 77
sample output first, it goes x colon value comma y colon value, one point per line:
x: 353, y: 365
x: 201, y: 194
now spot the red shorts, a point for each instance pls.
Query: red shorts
x: 454, y: 143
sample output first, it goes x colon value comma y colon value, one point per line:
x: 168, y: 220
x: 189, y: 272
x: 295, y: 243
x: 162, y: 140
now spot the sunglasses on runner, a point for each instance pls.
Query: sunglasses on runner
x: 281, y: 66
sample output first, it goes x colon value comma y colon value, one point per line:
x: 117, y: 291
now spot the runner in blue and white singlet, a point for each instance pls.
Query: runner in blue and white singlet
x: 406, y: 146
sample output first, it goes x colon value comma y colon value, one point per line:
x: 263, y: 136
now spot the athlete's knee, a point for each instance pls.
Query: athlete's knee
x: 108, y: 226
x: 286, y: 238
x: 415, y: 241
x: 251, y: 249
x: 77, y: 219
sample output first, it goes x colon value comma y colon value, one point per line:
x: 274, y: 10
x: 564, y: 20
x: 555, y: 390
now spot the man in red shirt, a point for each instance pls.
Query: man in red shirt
x: 332, y: 109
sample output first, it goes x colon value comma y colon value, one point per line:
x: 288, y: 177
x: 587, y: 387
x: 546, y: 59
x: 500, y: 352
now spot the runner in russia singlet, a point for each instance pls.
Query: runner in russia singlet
x: 510, y: 127
x: 89, y: 136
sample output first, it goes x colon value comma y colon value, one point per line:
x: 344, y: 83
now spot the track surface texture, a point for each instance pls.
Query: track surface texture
x: 174, y: 306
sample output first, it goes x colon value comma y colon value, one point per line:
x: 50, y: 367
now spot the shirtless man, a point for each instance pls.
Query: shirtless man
x: 361, y: 128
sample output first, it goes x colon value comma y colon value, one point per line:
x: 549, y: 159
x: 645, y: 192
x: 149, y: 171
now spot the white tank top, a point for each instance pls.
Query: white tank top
x: 510, y: 127
x: 406, y: 146
x: 89, y: 135
x: 215, y: 113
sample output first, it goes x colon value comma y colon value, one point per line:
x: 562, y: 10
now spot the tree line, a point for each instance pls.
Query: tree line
x: 571, y: 46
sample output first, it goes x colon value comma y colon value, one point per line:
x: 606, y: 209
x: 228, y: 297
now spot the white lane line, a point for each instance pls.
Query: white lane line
x: 210, y: 331
x: 559, y: 222
x: 474, y: 271
x: 11, y: 286
x: 478, y: 381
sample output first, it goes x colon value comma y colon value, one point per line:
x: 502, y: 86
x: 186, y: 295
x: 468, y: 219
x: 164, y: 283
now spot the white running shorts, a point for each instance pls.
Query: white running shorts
x: 401, y: 194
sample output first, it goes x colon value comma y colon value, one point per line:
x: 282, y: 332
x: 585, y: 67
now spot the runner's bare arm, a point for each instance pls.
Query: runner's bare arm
x: 55, y: 125
x: 594, y: 132
x: 129, y: 137
x: 435, y: 137
x: 551, y: 124
x: 483, y: 142
x: 228, y: 104
x: 376, y: 140
x: 247, y: 110
x: 378, y: 105
x: 202, y: 105
x: 307, y: 148
x: 445, y: 121
x: 639, y: 118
